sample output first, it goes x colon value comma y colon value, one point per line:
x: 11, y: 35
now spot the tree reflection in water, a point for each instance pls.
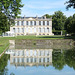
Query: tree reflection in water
x: 58, y: 59
x: 61, y: 58
x: 70, y: 58
x: 3, y: 64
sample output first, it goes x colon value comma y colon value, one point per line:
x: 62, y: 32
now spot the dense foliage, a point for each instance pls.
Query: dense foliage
x: 61, y: 23
x: 71, y: 3
x: 48, y: 16
x: 9, y: 9
x: 58, y: 20
x: 61, y: 58
x: 3, y: 64
x: 4, y: 23
x: 70, y: 24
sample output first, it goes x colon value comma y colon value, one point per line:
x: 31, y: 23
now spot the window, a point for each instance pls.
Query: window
x: 17, y: 22
x: 18, y: 30
x: 48, y: 29
x: 40, y: 29
x: 39, y: 22
x: 22, y: 23
x: 47, y: 22
x: 34, y: 22
x: 30, y: 22
x: 26, y: 22
x: 47, y: 59
x: 14, y: 30
x: 43, y: 22
x: 22, y: 30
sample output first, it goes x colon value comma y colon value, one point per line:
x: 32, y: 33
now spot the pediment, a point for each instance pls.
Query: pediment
x: 31, y: 18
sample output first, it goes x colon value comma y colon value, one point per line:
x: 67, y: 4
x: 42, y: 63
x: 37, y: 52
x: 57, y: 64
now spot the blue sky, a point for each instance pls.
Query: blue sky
x: 42, y: 7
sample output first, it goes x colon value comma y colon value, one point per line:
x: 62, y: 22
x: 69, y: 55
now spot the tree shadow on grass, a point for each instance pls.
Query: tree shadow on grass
x: 58, y: 37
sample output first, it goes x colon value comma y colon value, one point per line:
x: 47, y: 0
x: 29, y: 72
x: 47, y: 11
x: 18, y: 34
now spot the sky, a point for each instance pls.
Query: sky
x: 41, y: 7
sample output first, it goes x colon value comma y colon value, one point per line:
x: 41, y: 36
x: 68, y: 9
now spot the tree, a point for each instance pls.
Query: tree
x: 58, y: 20
x: 4, y: 23
x: 71, y: 3
x: 70, y: 24
x: 58, y: 59
x: 70, y: 58
x: 3, y: 64
x: 9, y: 9
x: 48, y: 16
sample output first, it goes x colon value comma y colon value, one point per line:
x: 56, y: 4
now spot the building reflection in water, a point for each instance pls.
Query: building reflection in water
x: 29, y: 57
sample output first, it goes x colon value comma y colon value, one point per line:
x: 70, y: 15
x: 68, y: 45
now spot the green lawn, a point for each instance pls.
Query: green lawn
x: 39, y: 37
x: 3, y: 45
x: 4, y: 41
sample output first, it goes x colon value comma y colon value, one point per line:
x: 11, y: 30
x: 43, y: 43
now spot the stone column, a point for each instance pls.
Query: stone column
x: 32, y: 29
x: 44, y: 30
x: 28, y: 23
x: 28, y: 29
x: 37, y: 22
x: 50, y: 54
x: 24, y: 30
x: 37, y: 32
x: 50, y: 30
x: 37, y: 56
x: 24, y: 23
x: 33, y: 23
x: 29, y: 52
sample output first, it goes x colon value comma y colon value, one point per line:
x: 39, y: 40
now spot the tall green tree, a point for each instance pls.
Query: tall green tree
x: 71, y: 3
x: 70, y: 58
x: 58, y: 59
x: 3, y: 64
x: 11, y: 8
x: 70, y: 24
x: 58, y: 20
x: 4, y: 23
x: 48, y: 16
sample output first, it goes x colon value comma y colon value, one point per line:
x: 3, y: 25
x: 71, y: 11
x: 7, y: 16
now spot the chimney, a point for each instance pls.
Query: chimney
x: 36, y: 16
x: 44, y: 17
x: 24, y: 16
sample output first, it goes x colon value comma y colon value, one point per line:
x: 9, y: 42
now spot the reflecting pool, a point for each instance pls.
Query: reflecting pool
x: 37, y: 61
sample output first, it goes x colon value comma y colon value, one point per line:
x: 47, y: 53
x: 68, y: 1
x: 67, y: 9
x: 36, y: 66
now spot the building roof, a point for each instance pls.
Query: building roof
x: 44, y: 17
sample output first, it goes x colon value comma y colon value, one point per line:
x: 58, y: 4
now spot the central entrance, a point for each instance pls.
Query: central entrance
x: 31, y: 31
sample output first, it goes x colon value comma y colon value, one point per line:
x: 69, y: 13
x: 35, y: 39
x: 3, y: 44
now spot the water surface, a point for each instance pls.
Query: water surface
x: 37, y: 61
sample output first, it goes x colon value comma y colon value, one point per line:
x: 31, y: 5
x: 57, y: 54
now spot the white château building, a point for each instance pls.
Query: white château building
x: 32, y: 26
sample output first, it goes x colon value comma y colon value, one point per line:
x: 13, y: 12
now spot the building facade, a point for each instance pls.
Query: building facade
x: 32, y: 26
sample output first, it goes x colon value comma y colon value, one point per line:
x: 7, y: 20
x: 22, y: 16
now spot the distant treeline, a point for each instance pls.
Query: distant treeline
x: 62, y: 23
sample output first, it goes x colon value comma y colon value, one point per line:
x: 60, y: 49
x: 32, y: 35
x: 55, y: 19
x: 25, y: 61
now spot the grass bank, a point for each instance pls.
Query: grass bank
x: 38, y: 37
x: 3, y: 45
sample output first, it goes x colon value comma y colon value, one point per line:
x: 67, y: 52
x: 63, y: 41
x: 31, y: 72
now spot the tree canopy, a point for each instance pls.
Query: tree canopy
x: 11, y: 8
x: 71, y: 3
x: 48, y: 16
x: 70, y: 24
x: 58, y: 20
x: 62, y: 58
x: 4, y: 23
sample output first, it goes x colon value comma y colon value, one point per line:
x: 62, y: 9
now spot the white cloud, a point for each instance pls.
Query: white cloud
x: 45, y: 4
x: 41, y: 7
x: 68, y: 13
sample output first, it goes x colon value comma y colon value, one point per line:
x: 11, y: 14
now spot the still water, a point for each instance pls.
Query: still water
x: 37, y: 61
